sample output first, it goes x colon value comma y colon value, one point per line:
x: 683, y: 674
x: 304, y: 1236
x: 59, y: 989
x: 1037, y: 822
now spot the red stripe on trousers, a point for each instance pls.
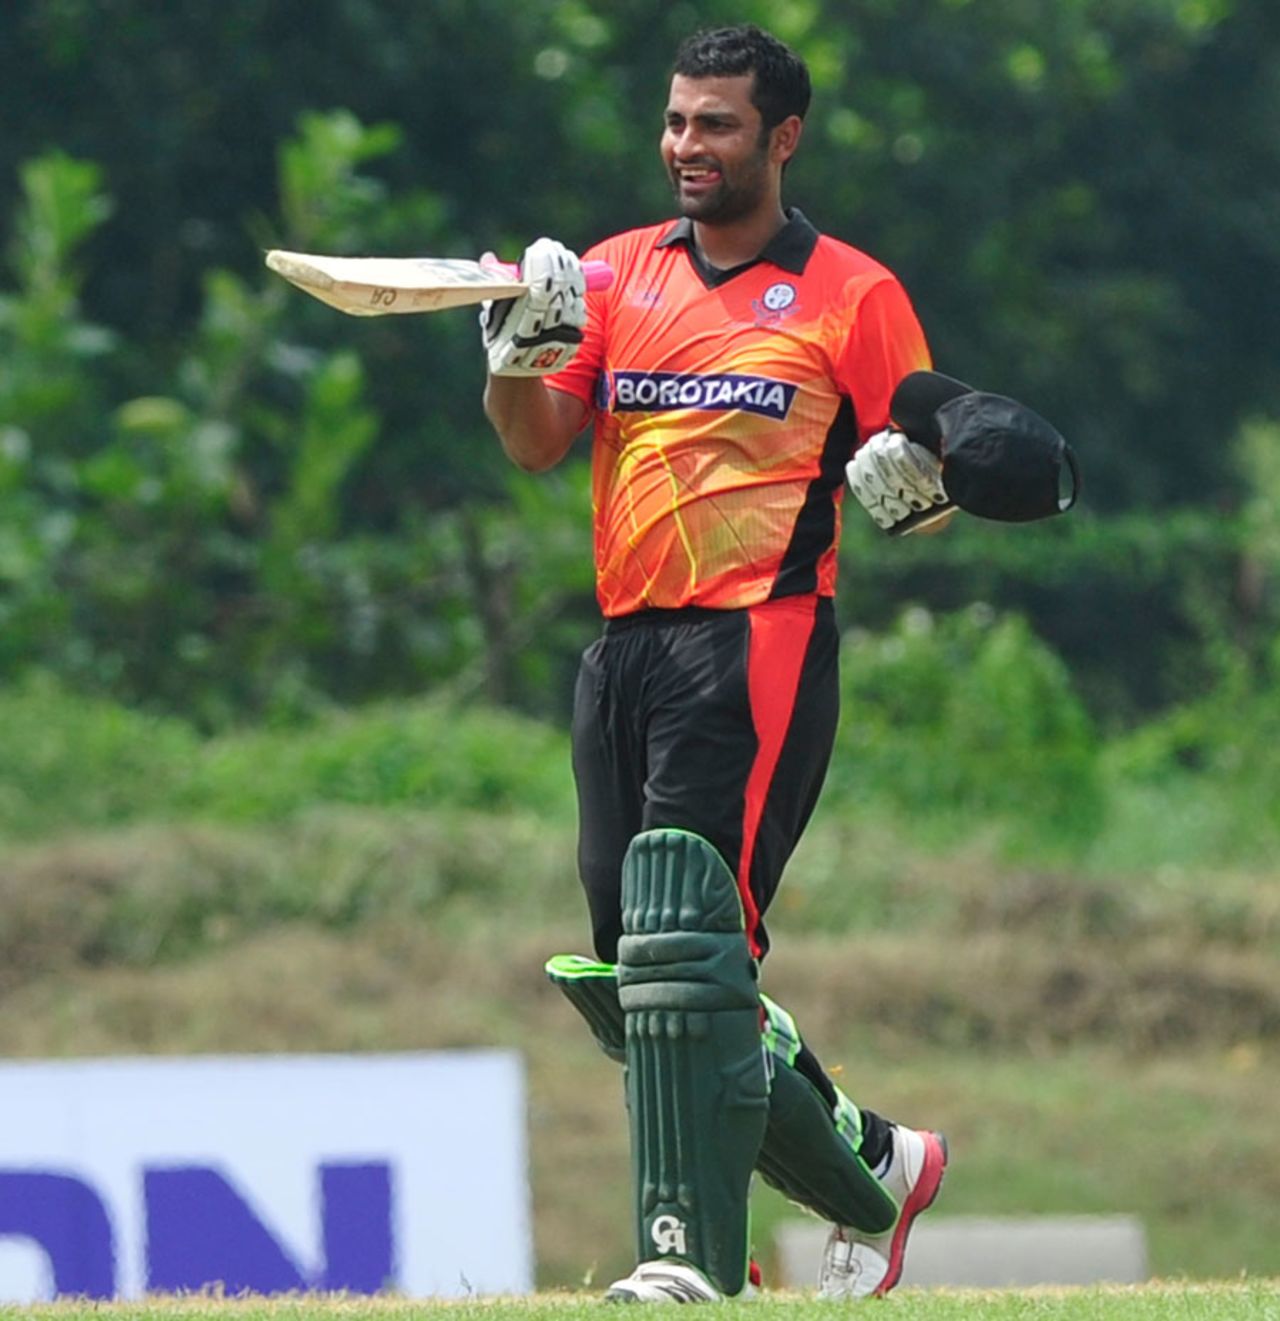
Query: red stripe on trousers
x: 780, y: 633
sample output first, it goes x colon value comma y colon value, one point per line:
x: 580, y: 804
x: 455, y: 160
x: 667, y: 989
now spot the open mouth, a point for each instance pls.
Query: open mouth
x: 697, y: 176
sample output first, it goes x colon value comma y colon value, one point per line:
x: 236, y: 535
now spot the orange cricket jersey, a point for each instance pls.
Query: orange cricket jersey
x: 726, y: 405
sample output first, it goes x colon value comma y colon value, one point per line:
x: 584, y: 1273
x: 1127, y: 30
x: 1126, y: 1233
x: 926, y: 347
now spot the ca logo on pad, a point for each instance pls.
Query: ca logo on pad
x: 668, y: 1234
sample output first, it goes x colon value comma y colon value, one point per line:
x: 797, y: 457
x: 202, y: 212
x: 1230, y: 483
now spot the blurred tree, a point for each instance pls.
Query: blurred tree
x: 1079, y: 194
x: 1048, y: 175
x: 51, y: 403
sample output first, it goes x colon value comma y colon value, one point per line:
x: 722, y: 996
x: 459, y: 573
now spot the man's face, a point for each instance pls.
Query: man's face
x: 715, y: 148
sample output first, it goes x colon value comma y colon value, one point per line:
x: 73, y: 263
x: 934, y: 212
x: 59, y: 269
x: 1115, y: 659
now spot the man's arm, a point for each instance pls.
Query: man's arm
x: 895, y: 474
x: 535, y: 423
x: 526, y: 339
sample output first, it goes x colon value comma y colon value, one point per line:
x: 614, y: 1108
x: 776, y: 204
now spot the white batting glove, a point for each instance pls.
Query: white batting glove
x: 540, y: 331
x: 892, y: 476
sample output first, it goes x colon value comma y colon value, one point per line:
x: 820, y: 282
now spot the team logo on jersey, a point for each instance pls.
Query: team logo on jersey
x: 657, y: 392
x: 777, y: 302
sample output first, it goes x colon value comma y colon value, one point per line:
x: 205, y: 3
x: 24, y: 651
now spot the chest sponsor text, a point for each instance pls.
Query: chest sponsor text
x: 653, y: 392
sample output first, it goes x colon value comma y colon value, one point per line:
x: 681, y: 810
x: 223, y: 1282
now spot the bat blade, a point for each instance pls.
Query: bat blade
x: 378, y: 286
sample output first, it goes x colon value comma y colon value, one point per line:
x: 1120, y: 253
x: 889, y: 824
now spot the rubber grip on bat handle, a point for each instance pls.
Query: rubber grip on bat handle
x: 599, y: 274
x: 921, y: 518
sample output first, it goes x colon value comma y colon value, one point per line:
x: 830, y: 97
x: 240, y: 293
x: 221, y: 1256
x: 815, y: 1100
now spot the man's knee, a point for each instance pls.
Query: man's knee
x: 682, y: 924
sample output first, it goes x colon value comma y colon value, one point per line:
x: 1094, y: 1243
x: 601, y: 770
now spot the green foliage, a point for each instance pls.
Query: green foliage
x: 1203, y: 776
x: 355, y: 818
x: 220, y: 499
x: 1137, y: 606
x: 954, y: 728
x: 325, y: 201
x: 1204, y: 780
x: 74, y: 762
x: 968, y: 718
x: 79, y: 763
x: 63, y: 206
x: 225, y: 543
x: 423, y: 754
x: 49, y: 398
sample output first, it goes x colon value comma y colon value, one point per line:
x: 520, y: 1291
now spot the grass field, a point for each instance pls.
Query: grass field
x: 1257, y: 1300
x: 1092, y: 1039
x: 1185, y: 1138
x: 1086, y: 1050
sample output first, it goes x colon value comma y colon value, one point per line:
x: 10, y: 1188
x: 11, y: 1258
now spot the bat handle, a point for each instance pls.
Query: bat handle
x: 919, y: 518
x: 599, y: 274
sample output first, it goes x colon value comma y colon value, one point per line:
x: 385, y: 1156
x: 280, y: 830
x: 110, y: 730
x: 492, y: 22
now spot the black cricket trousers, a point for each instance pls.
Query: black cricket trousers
x: 718, y: 722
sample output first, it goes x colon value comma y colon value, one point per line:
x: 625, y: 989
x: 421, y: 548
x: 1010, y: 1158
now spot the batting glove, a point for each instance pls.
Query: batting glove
x: 540, y: 331
x: 892, y: 476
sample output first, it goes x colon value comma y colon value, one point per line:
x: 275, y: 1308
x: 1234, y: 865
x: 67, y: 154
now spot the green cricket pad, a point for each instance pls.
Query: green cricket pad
x: 814, y: 1162
x: 809, y: 1153
x: 697, y: 1086
x: 592, y: 989
x: 811, y: 1148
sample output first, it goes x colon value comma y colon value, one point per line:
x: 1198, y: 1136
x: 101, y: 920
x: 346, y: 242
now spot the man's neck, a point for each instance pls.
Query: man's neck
x: 727, y: 246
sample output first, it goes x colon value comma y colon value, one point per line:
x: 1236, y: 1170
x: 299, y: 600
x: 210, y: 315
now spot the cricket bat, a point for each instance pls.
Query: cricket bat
x: 376, y: 286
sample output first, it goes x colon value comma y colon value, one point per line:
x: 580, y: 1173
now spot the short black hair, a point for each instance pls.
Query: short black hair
x: 781, y: 87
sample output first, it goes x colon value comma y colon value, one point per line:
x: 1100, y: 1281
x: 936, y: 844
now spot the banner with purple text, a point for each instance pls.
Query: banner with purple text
x: 265, y: 1174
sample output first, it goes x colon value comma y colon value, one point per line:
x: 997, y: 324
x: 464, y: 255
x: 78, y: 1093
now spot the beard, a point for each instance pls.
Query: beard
x: 734, y: 197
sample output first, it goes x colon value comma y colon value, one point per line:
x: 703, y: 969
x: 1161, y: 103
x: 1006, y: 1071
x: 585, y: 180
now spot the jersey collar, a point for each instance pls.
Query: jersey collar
x: 790, y: 248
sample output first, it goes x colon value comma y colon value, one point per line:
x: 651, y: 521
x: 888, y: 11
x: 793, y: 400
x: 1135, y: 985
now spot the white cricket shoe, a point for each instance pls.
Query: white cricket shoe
x: 856, y: 1264
x: 664, y: 1282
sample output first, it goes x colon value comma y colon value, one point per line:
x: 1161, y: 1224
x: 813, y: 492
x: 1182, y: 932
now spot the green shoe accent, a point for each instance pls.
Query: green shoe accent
x: 697, y: 1086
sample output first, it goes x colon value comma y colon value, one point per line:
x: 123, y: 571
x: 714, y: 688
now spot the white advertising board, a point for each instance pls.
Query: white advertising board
x: 120, y: 1177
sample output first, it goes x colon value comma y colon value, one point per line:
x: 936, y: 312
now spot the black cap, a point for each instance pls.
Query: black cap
x: 1000, y: 460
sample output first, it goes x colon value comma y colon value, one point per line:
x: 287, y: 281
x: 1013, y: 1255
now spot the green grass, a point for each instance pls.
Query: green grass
x: 1092, y: 1036
x: 1183, y: 1138
x: 1257, y: 1300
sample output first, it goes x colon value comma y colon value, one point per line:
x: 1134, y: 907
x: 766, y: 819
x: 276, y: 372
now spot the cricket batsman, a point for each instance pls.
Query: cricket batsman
x: 736, y: 374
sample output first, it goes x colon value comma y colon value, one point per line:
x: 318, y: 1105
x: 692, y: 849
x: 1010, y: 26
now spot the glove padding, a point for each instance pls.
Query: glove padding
x: 539, y: 332
x: 892, y: 476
